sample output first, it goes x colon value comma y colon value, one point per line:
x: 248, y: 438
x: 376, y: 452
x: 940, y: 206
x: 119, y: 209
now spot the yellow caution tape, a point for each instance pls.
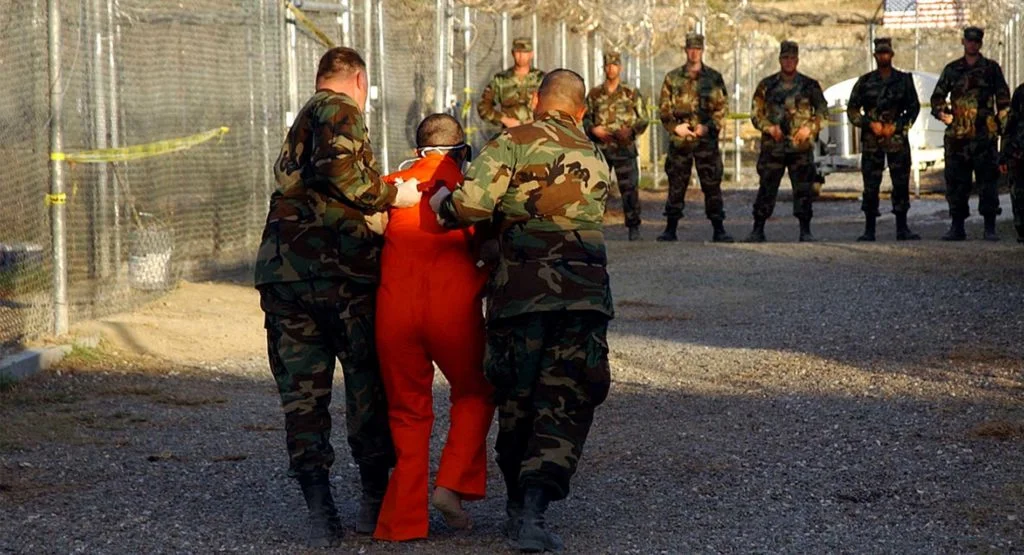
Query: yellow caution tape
x: 138, y: 152
x: 306, y: 22
x: 51, y: 199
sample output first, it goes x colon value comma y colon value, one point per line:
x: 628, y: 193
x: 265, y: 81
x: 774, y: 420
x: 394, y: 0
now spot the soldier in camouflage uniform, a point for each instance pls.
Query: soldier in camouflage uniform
x: 317, y: 270
x: 692, y: 106
x: 615, y: 116
x: 1011, y: 158
x: 975, y: 112
x: 549, y: 301
x: 506, y: 99
x: 789, y: 109
x: 884, y: 106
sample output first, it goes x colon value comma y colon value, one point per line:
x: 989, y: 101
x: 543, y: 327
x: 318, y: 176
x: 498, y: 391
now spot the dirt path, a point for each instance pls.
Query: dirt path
x: 834, y: 397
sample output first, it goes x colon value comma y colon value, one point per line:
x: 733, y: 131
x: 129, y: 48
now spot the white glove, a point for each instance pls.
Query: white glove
x: 408, y: 195
x: 377, y: 223
x: 438, y: 198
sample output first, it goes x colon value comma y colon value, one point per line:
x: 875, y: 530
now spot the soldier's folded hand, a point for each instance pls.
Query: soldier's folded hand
x: 684, y: 130
x: 624, y: 135
x: 802, y: 135
x: 602, y: 134
x: 888, y: 129
x: 509, y: 122
x: 876, y: 128
x: 946, y: 118
x: 438, y: 198
x: 701, y: 131
x: 776, y: 132
x: 408, y: 193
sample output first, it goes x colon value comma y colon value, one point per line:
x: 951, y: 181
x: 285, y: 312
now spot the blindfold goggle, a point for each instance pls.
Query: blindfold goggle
x: 446, y: 149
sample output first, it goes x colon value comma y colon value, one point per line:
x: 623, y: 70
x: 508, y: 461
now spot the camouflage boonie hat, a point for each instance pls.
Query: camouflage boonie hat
x: 612, y: 58
x: 522, y: 44
x: 789, y: 48
x: 694, y: 40
x: 883, y: 45
x: 974, y: 33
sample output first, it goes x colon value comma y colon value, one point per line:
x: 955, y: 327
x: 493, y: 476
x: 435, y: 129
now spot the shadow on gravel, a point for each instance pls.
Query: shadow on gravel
x: 122, y: 457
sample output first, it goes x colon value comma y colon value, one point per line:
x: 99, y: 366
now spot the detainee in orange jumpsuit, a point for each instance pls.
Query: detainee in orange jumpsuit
x: 429, y: 310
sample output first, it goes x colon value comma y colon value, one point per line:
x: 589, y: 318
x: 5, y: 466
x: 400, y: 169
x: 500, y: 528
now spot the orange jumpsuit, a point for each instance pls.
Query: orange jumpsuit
x: 429, y: 309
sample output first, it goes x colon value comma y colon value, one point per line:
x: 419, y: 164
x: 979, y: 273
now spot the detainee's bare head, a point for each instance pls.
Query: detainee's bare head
x: 439, y: 130
x: 563, y: 90
x: 343, y: 70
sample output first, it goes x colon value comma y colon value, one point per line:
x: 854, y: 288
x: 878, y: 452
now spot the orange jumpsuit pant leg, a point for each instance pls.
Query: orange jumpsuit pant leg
x: 456, y: 342
x: 408, y: 380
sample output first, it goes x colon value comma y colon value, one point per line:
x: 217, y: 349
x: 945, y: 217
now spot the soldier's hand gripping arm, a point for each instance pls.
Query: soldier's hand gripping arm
x: 342, y: 154
x: 487, y: 180
x: 588, y: 120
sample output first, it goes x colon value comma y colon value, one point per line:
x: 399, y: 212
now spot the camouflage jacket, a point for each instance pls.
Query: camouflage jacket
x: 1013, y: 137
x: 511, y: 95
x: 545, y: 185
x: 326, y: 183
x: 893, y: 100
x: 697, y: 101
x: 622, y: 109
x: 791, y: 106
x: 979, y: 99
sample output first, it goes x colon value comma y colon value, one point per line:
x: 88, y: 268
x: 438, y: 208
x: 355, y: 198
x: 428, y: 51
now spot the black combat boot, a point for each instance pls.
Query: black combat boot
x: 720, y: 235
x: 324, y: 525
x: 374, y: 480
x: 869, y: 228
x: 956, y: 231
x: 533, y: 536
x: 670, y: 230
x: 903, y: 232
x: 634, y: 233
x: 805, y: 230
x: 1020, y: 234
x: 514, y: 512
x: 990, y: 228
x: 757, y: 234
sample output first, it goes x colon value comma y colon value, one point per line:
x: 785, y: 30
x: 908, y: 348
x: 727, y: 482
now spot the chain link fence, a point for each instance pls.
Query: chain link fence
x: 173, y: 114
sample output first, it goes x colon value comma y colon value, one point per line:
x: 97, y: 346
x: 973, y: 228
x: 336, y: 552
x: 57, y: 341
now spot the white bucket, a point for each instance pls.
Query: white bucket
x: 149, y: 259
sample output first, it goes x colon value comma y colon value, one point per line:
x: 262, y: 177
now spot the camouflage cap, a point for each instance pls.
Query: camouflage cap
x: 789, y: 48
x: 612, y: 58
x: 694, y: 40
x: 974, y: 33
x: 522, y: 44
x: 883, y: 44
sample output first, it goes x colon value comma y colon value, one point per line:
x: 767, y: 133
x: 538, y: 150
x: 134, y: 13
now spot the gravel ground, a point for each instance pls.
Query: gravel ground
x: 793, y: 398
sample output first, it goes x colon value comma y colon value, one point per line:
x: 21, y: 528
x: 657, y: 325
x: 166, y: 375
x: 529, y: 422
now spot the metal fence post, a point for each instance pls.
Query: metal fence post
x: 382, y: 85
x: 113, y: 38
x: 102, y: 205
x: 505, y: 44
x: 736, y: 160
x: 442, y: 37
x: 655, y: 173
x: 562, y: 43
x: 533, y: 38
x: 57, y: 199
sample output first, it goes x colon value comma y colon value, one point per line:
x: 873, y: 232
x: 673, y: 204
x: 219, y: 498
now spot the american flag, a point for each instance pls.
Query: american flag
x: 925, y: 14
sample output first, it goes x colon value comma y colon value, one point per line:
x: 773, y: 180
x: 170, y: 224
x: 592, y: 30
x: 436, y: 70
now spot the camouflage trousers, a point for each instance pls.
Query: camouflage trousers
x: 871, y: 167
x: 772, y: 163
x: 550, y: 371
x: 305, y: 334
x: 964, y: 157
x: 1017, y: 191
x: 628, y: 174
x: 679, y: 164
